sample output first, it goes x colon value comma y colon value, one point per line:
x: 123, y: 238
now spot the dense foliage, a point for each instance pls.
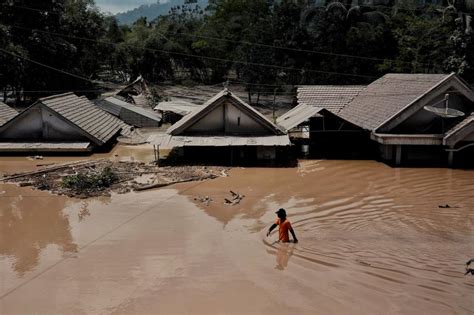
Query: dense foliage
x: 259, y: 42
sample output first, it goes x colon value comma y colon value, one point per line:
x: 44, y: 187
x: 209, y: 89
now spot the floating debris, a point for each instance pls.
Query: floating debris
x: 236, y: 199
x: 84, y: 179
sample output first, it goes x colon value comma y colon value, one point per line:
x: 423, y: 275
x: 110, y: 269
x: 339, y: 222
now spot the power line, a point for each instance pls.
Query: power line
x: 46, y: 66
x: 205, y: 57
x: 300, y: 50
x: 287, y: 48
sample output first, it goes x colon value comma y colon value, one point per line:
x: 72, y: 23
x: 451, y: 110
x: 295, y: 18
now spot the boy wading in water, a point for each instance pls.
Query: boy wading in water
x: 284, y: 226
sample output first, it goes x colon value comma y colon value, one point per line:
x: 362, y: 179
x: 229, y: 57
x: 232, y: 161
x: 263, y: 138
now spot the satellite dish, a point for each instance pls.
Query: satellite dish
x: 445, y: 112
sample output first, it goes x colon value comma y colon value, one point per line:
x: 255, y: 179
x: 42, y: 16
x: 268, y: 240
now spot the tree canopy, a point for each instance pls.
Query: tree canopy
x: 57, y: 45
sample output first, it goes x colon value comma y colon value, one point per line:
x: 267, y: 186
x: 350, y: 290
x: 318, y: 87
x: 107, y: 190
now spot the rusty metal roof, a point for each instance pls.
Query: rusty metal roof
x: 387, y: 96
x: 6, y: 113
x: 99, y: 125
x: 330, y: 97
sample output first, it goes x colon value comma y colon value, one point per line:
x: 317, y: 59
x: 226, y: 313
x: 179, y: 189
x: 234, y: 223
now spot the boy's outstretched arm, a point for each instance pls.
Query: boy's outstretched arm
x: 294, y: 235
x: 271, y: 229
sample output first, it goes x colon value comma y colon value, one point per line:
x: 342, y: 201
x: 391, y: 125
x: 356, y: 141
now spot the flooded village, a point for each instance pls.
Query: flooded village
x: 374, y: 222
x: 138, y: 195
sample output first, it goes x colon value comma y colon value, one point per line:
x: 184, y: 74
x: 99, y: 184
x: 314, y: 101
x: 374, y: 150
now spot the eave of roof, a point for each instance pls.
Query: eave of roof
x: 170, y: 141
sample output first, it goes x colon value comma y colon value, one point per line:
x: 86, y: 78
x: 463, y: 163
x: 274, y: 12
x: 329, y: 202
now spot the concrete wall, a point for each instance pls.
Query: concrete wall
x: 228, y: 119
x: 41, y: 124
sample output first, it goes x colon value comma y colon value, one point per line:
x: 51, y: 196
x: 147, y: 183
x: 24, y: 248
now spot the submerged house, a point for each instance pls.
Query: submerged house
x: 401, y: 119
x: 227, y: 130
x: 129, y: 113
x: 60, y: 123
x: 314, y: 120
x: 172, y: 111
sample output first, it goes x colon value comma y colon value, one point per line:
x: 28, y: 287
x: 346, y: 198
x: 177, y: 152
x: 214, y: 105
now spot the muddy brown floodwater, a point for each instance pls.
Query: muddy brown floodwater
x: 373, y: 240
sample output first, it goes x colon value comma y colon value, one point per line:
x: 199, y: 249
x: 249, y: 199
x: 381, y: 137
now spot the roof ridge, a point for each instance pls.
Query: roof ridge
x: 56, y: 96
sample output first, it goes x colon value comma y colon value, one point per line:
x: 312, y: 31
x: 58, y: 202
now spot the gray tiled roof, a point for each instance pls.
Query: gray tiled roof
x: 98, y: 124
x: 6, y: 113
x: 330, y: 97
x: 131, y: 114
x: 387, y: 96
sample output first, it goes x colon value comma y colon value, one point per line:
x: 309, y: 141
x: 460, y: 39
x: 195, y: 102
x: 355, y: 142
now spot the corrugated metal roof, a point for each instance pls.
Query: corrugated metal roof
x: 387, y: 96
x: 330, y: 97
x: 297, y: 115
x: 145, y: 118
x: 98, y: 124
x: 45, y: 146
x: 177, y: 106
x: 169, y: 141
x: 6, y: 113
x: 188, y: 120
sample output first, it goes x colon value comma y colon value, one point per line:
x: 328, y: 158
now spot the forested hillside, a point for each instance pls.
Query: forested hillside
x: 51, y: 46
x: 152, y: 11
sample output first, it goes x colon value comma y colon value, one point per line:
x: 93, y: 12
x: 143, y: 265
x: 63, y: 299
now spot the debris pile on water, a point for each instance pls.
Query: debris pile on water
x: 84, y: 179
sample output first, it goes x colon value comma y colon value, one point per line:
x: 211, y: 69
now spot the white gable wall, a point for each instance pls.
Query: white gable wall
x: 238, y: 122
x: 40, y: 123
x: 228, y: 119
x: 213, y: 122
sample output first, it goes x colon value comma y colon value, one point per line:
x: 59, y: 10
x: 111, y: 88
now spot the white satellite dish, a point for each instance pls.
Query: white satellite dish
x: 445, y: 112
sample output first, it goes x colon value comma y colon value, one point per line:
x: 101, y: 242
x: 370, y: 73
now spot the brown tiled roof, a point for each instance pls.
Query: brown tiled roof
x: 6, y: 113
x: 98, y: 124
x: 330, y: 97
x: 387, y: 96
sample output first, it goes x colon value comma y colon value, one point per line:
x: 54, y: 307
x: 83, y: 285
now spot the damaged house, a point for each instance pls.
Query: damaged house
x: 60, y: 123
x: 129, y: 113
x: 402, y: 119
x: 172, y: 111
x: 226, y: 130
